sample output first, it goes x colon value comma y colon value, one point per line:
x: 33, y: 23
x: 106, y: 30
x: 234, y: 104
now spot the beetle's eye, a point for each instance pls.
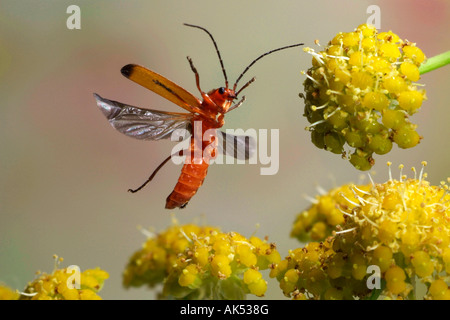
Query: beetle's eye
x: 221, y: 90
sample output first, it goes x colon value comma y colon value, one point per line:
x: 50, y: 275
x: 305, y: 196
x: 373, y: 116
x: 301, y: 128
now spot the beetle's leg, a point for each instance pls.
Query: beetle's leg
x: 245, y: 85
x: 155, y: 172
x: 237, y: 105
x: 197, y: 77
x: 220, y: 120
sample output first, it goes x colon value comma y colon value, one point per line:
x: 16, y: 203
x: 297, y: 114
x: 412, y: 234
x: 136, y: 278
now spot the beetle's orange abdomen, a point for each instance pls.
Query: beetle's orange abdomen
x: 193, y: 173
x: 191, y: 178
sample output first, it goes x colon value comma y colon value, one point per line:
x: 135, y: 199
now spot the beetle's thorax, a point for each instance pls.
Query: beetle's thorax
x: 217, y: 102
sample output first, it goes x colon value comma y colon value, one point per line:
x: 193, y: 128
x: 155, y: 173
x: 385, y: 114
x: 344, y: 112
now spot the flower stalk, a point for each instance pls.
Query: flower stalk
x: 435, y: 62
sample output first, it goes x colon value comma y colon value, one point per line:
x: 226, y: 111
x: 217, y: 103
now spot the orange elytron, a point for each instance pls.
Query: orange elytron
x: 155, y: 125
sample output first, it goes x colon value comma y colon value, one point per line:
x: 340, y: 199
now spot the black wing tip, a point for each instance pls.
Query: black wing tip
x: 127, y: 71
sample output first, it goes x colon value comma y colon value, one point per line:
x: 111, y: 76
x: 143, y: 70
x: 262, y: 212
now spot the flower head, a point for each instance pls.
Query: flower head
x: 360, y: 93
x: 401, y: 226
x: 327, y: 211
x: 60, y: 285
x: 7, y: 293
x: 202, y: 262
x: 153, y: 262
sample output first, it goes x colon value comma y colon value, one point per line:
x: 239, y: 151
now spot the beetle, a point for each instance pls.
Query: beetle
x: 209, y: 112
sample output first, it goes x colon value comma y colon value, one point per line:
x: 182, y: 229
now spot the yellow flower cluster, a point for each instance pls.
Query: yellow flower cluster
x: 60, y: 285
x: 152, y: 264
x: 402, y: 227
x: 360, y: 92
x: 326, y: 212
x: 201, y: 262
x: 7, y: 294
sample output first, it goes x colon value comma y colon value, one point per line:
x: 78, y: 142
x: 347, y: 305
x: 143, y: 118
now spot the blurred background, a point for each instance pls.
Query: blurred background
x: 64, y: 172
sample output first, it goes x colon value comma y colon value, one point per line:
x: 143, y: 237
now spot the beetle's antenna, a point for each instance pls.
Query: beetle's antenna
x: 217, y: 50
x: 254, y: 61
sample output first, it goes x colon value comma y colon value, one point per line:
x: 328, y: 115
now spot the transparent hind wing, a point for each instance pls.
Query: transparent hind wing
x: 240, y: 147
x: 143, y: 124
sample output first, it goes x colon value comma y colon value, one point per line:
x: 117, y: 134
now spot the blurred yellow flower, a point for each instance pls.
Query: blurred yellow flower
x: 202, y: 262
x: 62, y: 285
x: 7, y: 293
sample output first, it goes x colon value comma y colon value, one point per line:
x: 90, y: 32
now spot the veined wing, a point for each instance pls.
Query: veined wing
x: 162, y: 86
x: 144, y: 124
x: 240, y: 147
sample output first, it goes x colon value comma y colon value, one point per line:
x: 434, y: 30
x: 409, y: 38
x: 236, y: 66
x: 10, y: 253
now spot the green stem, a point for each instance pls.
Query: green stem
x: 435, y: 62
x: 376, y: 292
x: 412, y: 294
